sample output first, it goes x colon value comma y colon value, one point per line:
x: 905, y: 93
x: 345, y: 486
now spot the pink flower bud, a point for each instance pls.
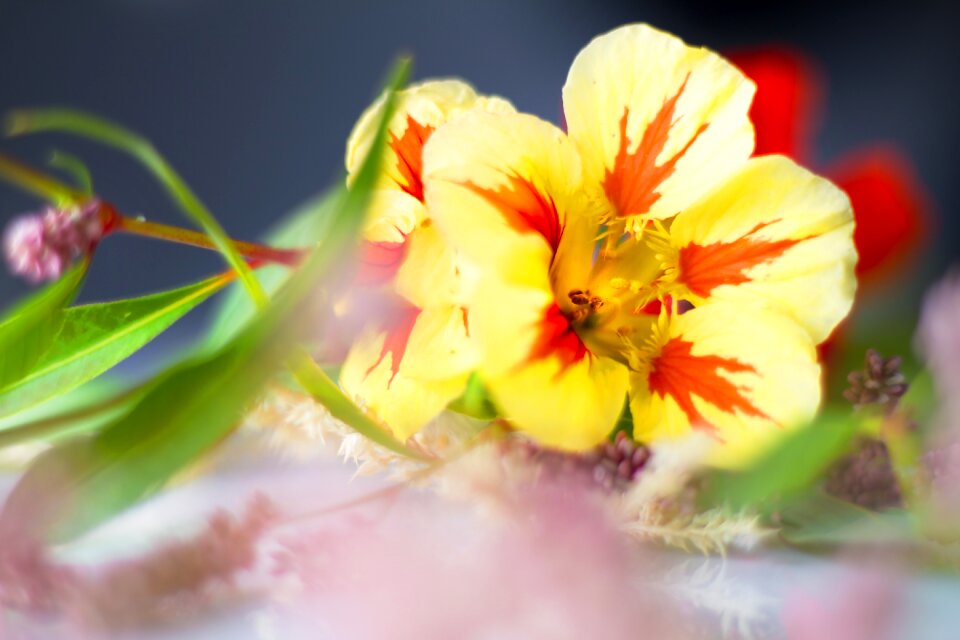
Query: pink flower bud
x: 41, y: 246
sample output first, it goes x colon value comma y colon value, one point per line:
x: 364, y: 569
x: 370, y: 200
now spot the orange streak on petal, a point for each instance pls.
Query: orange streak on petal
x: 409, y: 151
x: 705, y: 267
x: 398, y: 335
x: 524, y: 208
x: 632, y: 184
x: 379, y: 261
x: 558, y: 338
x: 680, y: 374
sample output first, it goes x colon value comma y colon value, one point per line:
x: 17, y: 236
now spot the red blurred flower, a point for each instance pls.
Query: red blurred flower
x: 889, y: 204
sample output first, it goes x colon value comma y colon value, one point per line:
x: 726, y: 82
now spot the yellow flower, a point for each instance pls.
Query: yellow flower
x: 414, y: 356
x: 644, y: 251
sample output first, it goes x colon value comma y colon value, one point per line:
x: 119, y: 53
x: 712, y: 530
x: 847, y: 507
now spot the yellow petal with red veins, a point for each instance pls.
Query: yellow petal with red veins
x: 775, y: 235
x: 383, y: 249
x: 500, y: 187
x: 420, y: 110
x: 742, y: 374
x: 539, y: 373
x: 397, y: 207
x: 407, y: 373
x: 659, y: 123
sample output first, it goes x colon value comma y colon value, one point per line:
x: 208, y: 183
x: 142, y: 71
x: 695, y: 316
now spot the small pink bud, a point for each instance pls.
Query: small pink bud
x: 41, y: 246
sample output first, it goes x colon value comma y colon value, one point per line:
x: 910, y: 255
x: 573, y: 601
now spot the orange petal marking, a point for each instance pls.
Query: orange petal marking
x: 379, y: 261
x: 705, y: 267
x: 558, y: 338
x: 398, y: 335
x: 525, y: 208
x: 409, y: 150
x: 680, y: 374
x: 632, y: 184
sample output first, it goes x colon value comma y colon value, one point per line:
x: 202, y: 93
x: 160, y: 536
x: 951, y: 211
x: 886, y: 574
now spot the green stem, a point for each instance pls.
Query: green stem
x: 76, y: 168
x: 88, y: 126
x: 249, y: 250
x: 37, y: 183
x: 325, y: 391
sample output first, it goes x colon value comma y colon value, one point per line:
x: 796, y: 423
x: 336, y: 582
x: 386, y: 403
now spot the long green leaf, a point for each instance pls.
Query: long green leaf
x: 89, y: 126
x: 29, y: 329
x: 351, y: 210
x: 93, y: 338
x: 786, y: 470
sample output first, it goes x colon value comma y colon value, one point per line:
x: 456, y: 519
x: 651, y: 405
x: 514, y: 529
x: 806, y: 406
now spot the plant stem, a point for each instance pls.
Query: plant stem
x: 29, y: 179
x: 110, y: 134
x: 250, y: 250
x: 325, y: 391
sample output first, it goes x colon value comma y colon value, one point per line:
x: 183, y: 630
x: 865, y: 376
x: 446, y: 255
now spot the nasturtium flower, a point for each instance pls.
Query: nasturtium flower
x: 414, y: 355
x: 643, y: 252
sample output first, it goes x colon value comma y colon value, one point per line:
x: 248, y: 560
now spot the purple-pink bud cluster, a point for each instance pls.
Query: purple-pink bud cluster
x: 41, y: 246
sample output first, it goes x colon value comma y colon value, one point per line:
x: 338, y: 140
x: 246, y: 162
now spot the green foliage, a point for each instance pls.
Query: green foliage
x: 475, y: 401
x: 23, y: 177
x: 789, y: 468
x: 351, y: 208
x: 85, y: 480
x: 85, y: 409
x: 821, y: 520
x: 75, y: 167
x: 304, y: 227
x: 29, y: 329
x: 190, y: 408
x: 110, y: 134
x: 92, y: 339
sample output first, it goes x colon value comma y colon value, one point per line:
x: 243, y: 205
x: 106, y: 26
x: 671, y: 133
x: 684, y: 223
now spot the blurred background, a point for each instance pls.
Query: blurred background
x: 252, y: 100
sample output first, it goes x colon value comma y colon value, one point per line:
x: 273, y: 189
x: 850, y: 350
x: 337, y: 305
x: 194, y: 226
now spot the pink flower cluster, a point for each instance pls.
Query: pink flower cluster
x: 41, y: 246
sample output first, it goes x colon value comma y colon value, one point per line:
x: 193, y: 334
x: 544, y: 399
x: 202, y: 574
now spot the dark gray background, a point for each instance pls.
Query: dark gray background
x: 252, y: 100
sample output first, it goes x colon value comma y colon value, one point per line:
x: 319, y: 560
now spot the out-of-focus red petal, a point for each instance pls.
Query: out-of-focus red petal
x: 786, y: 107
x: 889, y: 205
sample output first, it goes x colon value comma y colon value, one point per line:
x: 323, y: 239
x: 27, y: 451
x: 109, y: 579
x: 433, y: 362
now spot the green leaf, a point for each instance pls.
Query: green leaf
x: 789, y: 468
x: 181, y: 414
x: 93, y: 338
x: 75, y: 167
x: 29, y: 329
x: 475, y: 401
x: 110, y: 134
x: 351, y: 207
x: 304, y: 227
x: 819, y: 519
x: 85, y: 409
x: 84, y: 481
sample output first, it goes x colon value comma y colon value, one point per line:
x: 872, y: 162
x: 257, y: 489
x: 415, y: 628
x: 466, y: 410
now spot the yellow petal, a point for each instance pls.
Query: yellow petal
x: 743, y: 374
x: 566, y: 406
x: 393, y: 216
x: 659, y: 123
x: 501, y: 187
x: 433, y: 273
x: 407, y: 374
x: 420, y: 110
x: 539, y: 372
x: 774, y: 235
